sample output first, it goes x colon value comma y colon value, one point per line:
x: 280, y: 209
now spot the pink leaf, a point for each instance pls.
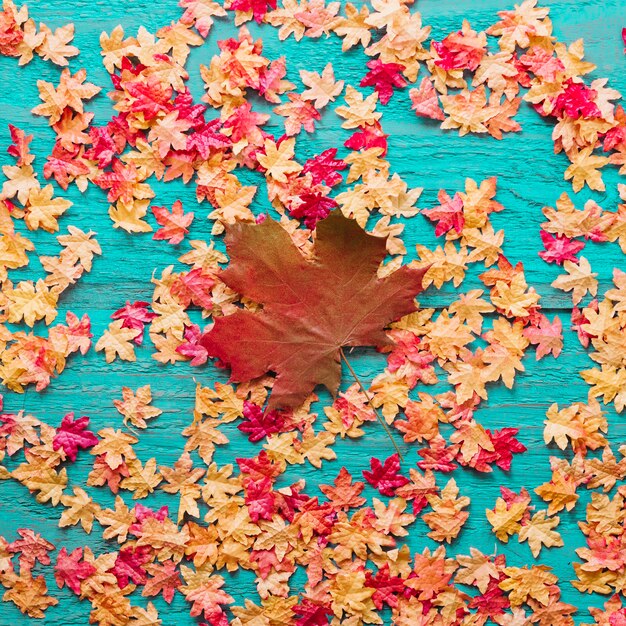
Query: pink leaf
x: 72, y: 435
x: 385, y: 476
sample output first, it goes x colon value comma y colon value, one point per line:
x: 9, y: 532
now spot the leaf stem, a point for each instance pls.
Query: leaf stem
x: 381, y: 419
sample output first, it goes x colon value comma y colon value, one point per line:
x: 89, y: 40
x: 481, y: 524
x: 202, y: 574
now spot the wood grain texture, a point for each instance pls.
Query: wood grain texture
x: 529, y: 175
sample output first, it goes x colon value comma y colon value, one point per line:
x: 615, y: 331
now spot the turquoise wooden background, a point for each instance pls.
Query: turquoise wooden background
x: 529, y: 177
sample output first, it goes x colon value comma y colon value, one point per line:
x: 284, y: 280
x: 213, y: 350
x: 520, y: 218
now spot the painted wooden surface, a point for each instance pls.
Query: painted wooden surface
x: 529, y: 177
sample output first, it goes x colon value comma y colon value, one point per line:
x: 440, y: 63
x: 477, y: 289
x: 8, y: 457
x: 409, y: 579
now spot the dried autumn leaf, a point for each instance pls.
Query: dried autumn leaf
x: 174, y: 224
x: 80, y: 508
x: 322, y: 88
x: 579, y: 279
x: 116, y: 341
x: 289, y: 336
x: 584, y: 170
x: 135, y: 407
x: 55, y: 46
x: 30, y: 595
x: 539, y: 531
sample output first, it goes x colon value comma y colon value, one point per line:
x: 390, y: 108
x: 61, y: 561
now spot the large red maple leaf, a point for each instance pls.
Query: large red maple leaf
x: 311, y: 308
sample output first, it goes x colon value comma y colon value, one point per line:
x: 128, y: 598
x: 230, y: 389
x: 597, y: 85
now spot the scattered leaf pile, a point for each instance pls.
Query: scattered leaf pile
x: 345, y: 550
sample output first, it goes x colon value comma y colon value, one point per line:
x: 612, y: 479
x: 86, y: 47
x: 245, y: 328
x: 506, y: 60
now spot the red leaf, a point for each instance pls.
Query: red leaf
x: 491, y: 603
x: 135, y: 315
x: 383, y: 77
x: 324, y: 168
x: 20, y: 146
x: 344, y: 494
x: 505, y: 445
x: 448, y: 215
x: 207, y: 139
x: 103, y: 147
x: 576, y: 101
x: 313, y: 207
x: 258, y: 8
x: 129, y: 565
x: 370, y: 136
x: 579, y: 320
x: 385, y: 477
x: 72, y: 435
x: 245, y: 124
x: 312, y: 613
x: 460, y: 50
x: 438, y: 456
x: 259, y: 423
x: 192, y: 348
x: 546, y: 335
x: 559, y: 248
x: 174, y: 224
x: 70, y: 569
x: 194, y: 287
x: 150, y: 96
x: 311, y: 309
x: 260, y: 499
x: 120, y: 181
x: 387, y: 587
x: 259, y: 467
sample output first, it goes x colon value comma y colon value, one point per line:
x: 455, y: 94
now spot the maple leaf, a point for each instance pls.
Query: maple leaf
x: 165, y: 580
x: 79, y: 246
x: 385, y: 476
x: 447, y: 517
x: 135, y: 407
x: 559, y: 248
x: 579, y: 279
x: 539, y: 531
x: 299, y: 114
x: 80, y: 508
x: 30, y: 595
x: 258, y: 423
x: 277, y: 159
x: 19, y: 147
x: 55, y: 46
x: 205, y: 593
x: 135, y: 315
x: 466, y: 111
x: 116, y: 342
x: 425, y: 101
x: 117, y: 521
x: 70, y: 569
x: 384, y: 77
x: 129, y: 565
x: 45, y: 480
x: 322, y: 88
x: 143, y: 479
x: 324, y: 167
x: 477, y: 569
x: 359, y: 112
x: 449, y: 215
x: 505, y: 518
x: 547, y: 336
x: 32, y: 548
x: 584, y: 170
x: 73, y: 434
x: 311, y: 613
x: 313, y: 207
x: 353, y: 28
x: 345, y: 494
x: 174, y: 224
x: 311, y: 308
